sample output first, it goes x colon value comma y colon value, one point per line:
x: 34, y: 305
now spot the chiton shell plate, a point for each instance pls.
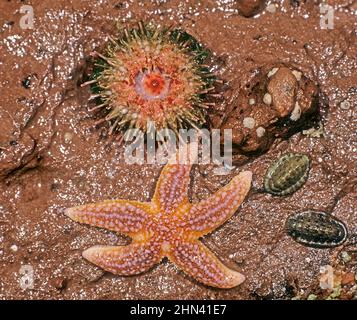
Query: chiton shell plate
x: 316, y: 229
x: 287, y: 174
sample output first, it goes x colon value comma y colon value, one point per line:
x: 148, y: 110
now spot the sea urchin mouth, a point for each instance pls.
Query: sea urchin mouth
x: 150, y: 85
x: 152, y: 74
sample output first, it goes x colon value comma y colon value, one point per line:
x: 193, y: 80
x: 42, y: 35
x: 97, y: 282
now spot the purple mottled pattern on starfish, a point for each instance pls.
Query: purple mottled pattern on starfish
x: 167, y: 226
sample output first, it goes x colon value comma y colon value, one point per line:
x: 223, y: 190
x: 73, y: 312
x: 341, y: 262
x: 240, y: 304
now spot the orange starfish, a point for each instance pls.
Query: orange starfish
x: 167, y: 226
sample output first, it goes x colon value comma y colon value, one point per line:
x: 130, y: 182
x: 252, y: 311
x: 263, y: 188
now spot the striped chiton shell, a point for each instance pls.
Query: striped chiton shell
x: 316, y: 229
x: 287, y: 174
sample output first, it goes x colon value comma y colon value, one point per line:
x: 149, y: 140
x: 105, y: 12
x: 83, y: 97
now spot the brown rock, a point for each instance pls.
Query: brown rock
x: 94, y: 275
x: 275, y: 103
x: 60, y: 283
x: 348, y: 278
x: 249, y: 8
x: 283, y: 87
x: 18, y: 154
x: 7, y: 126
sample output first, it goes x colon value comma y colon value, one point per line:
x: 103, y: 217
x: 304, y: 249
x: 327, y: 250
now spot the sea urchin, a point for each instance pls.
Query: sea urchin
x: 152, y: 74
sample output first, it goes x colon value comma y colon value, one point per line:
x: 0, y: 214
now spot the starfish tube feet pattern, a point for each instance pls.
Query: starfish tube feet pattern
x: 167, y: 226
x: 127, y: 260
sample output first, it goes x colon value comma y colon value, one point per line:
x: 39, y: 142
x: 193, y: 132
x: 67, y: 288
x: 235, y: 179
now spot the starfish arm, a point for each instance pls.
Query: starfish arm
x: 123, y: 216
x: 171, y: 188
x: 132, y: 259
x: 207, y: 215
x: 200, y: 263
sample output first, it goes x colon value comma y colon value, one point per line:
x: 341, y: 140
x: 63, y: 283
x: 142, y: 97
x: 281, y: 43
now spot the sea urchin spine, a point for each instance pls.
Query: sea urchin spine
x: 153, y: 75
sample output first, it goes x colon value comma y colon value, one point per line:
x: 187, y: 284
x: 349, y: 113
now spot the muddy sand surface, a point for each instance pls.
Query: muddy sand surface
x: 53, y: 157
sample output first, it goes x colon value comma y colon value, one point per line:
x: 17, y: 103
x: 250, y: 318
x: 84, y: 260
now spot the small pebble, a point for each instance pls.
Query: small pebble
x: 297, y: 75
x: 68, y: 136
x: 260, y: 132
x: 345, y: 257
x: 345, y: 105
x: 267, y: 99
x: 94, y: 275
x: 14, y: 248
x: 296, y: 113
x: 271, y: 8
x: 283, y: 87
x: 335, y: 294
x: 248, y: 122
x: 251, y: 101
x: 59, y: 283
x: 249, y: 8
x: 272, y: 72
x: 312, y: 297
x: 348, y: 278
x: 26, y: 83
x: 327, y: 277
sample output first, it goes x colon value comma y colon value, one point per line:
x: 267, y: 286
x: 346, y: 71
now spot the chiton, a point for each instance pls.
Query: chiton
x: 287, y: 174
x: 316, y: 229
